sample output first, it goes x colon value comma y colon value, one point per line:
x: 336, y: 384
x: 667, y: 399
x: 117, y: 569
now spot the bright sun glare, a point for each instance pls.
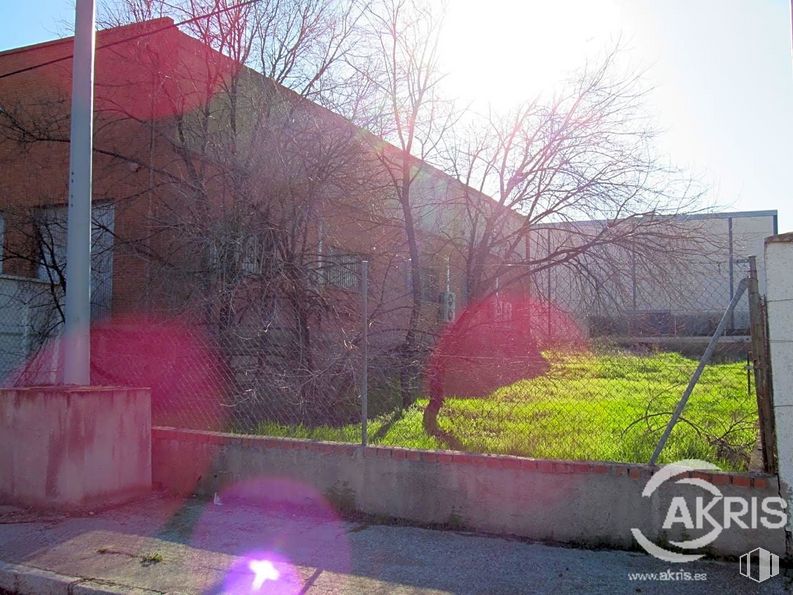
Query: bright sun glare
x: 263, y: 571
x: 501, y: 51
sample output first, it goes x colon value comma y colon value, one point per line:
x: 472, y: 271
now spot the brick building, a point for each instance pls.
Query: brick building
x: 180, y: 225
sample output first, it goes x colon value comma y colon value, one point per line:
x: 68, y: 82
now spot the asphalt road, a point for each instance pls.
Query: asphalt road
x: 167, y: 545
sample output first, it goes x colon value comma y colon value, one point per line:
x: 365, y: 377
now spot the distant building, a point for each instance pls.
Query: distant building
x: 684, y: 299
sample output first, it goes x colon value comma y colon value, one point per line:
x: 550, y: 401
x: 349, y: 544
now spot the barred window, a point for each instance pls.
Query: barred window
x: 251, y: 256
x: 341, y: 270
x: 430, y: 284
x: 51, y: 231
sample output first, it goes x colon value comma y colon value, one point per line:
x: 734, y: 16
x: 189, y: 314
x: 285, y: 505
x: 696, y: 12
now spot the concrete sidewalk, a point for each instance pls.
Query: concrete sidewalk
x: 166, y: 545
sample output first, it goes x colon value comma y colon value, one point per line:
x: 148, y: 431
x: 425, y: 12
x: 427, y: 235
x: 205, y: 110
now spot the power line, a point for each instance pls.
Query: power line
x: 133, y: 38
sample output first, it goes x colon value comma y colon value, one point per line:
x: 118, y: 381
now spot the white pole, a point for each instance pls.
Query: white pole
x: 77, y: 343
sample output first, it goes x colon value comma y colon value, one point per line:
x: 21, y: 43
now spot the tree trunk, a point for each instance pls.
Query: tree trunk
x: 409, y: 367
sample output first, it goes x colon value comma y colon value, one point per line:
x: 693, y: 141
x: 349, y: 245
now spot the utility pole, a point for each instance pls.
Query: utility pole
x: 77, y: 333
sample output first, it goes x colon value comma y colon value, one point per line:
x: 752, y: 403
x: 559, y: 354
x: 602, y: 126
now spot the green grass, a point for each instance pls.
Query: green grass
x: 607, y: 407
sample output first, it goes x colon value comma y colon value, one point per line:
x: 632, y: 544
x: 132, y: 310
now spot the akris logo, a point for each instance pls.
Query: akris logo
x: 711, y: 512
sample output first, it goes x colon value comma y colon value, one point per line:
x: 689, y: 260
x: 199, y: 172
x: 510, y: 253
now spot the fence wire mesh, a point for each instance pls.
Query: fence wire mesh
x: 525, y: 376
x: 536, y: 370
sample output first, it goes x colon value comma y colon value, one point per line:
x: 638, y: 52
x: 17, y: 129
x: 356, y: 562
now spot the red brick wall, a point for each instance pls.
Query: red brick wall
x: 131, y: 85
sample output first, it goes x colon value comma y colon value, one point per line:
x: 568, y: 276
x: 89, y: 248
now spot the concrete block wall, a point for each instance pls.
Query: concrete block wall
x: 74, y: 447
x: 588, y: 504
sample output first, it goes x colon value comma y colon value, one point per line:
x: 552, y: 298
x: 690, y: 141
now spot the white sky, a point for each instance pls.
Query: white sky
x: 722, y: 72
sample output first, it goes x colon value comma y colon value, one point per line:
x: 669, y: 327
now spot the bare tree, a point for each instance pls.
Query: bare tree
x: 587, y: 154
x: 243, y: 168
x: 262, y: 164
x: 239, y: 170
x: 400, y: 67
x: 576, y: 186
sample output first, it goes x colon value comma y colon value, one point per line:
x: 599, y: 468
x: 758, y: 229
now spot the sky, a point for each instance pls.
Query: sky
x: 721, y: 73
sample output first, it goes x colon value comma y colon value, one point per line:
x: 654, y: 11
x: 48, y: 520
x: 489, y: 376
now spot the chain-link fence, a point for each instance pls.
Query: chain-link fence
x: 534, y: 370
x: 525, y: 375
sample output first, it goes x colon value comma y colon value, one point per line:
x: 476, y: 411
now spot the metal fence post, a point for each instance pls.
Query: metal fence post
x: 731, y: 268
x: 704, y: 360
x: 364, y: 349
x: 760, y: 359
x: 549, y: 324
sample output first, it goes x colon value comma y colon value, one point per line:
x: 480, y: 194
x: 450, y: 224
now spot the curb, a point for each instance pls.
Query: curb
x: 28, y: 580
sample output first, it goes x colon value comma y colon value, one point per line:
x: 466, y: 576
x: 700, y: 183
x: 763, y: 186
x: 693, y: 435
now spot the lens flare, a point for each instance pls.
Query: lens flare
x: 275, y: 528
x: 162, y: 75
x: 498, y: 341
x: 263, y: 570
x: 170, y: 357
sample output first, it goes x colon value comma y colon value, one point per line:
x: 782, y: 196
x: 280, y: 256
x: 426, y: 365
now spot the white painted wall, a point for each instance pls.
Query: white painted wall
x: 779, y: 296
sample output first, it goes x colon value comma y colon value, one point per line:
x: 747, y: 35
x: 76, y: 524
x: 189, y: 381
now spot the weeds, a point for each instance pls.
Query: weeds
x: 610, y: 407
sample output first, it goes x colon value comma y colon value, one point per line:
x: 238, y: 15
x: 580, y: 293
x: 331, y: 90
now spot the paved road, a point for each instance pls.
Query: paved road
x: 169, y: 545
